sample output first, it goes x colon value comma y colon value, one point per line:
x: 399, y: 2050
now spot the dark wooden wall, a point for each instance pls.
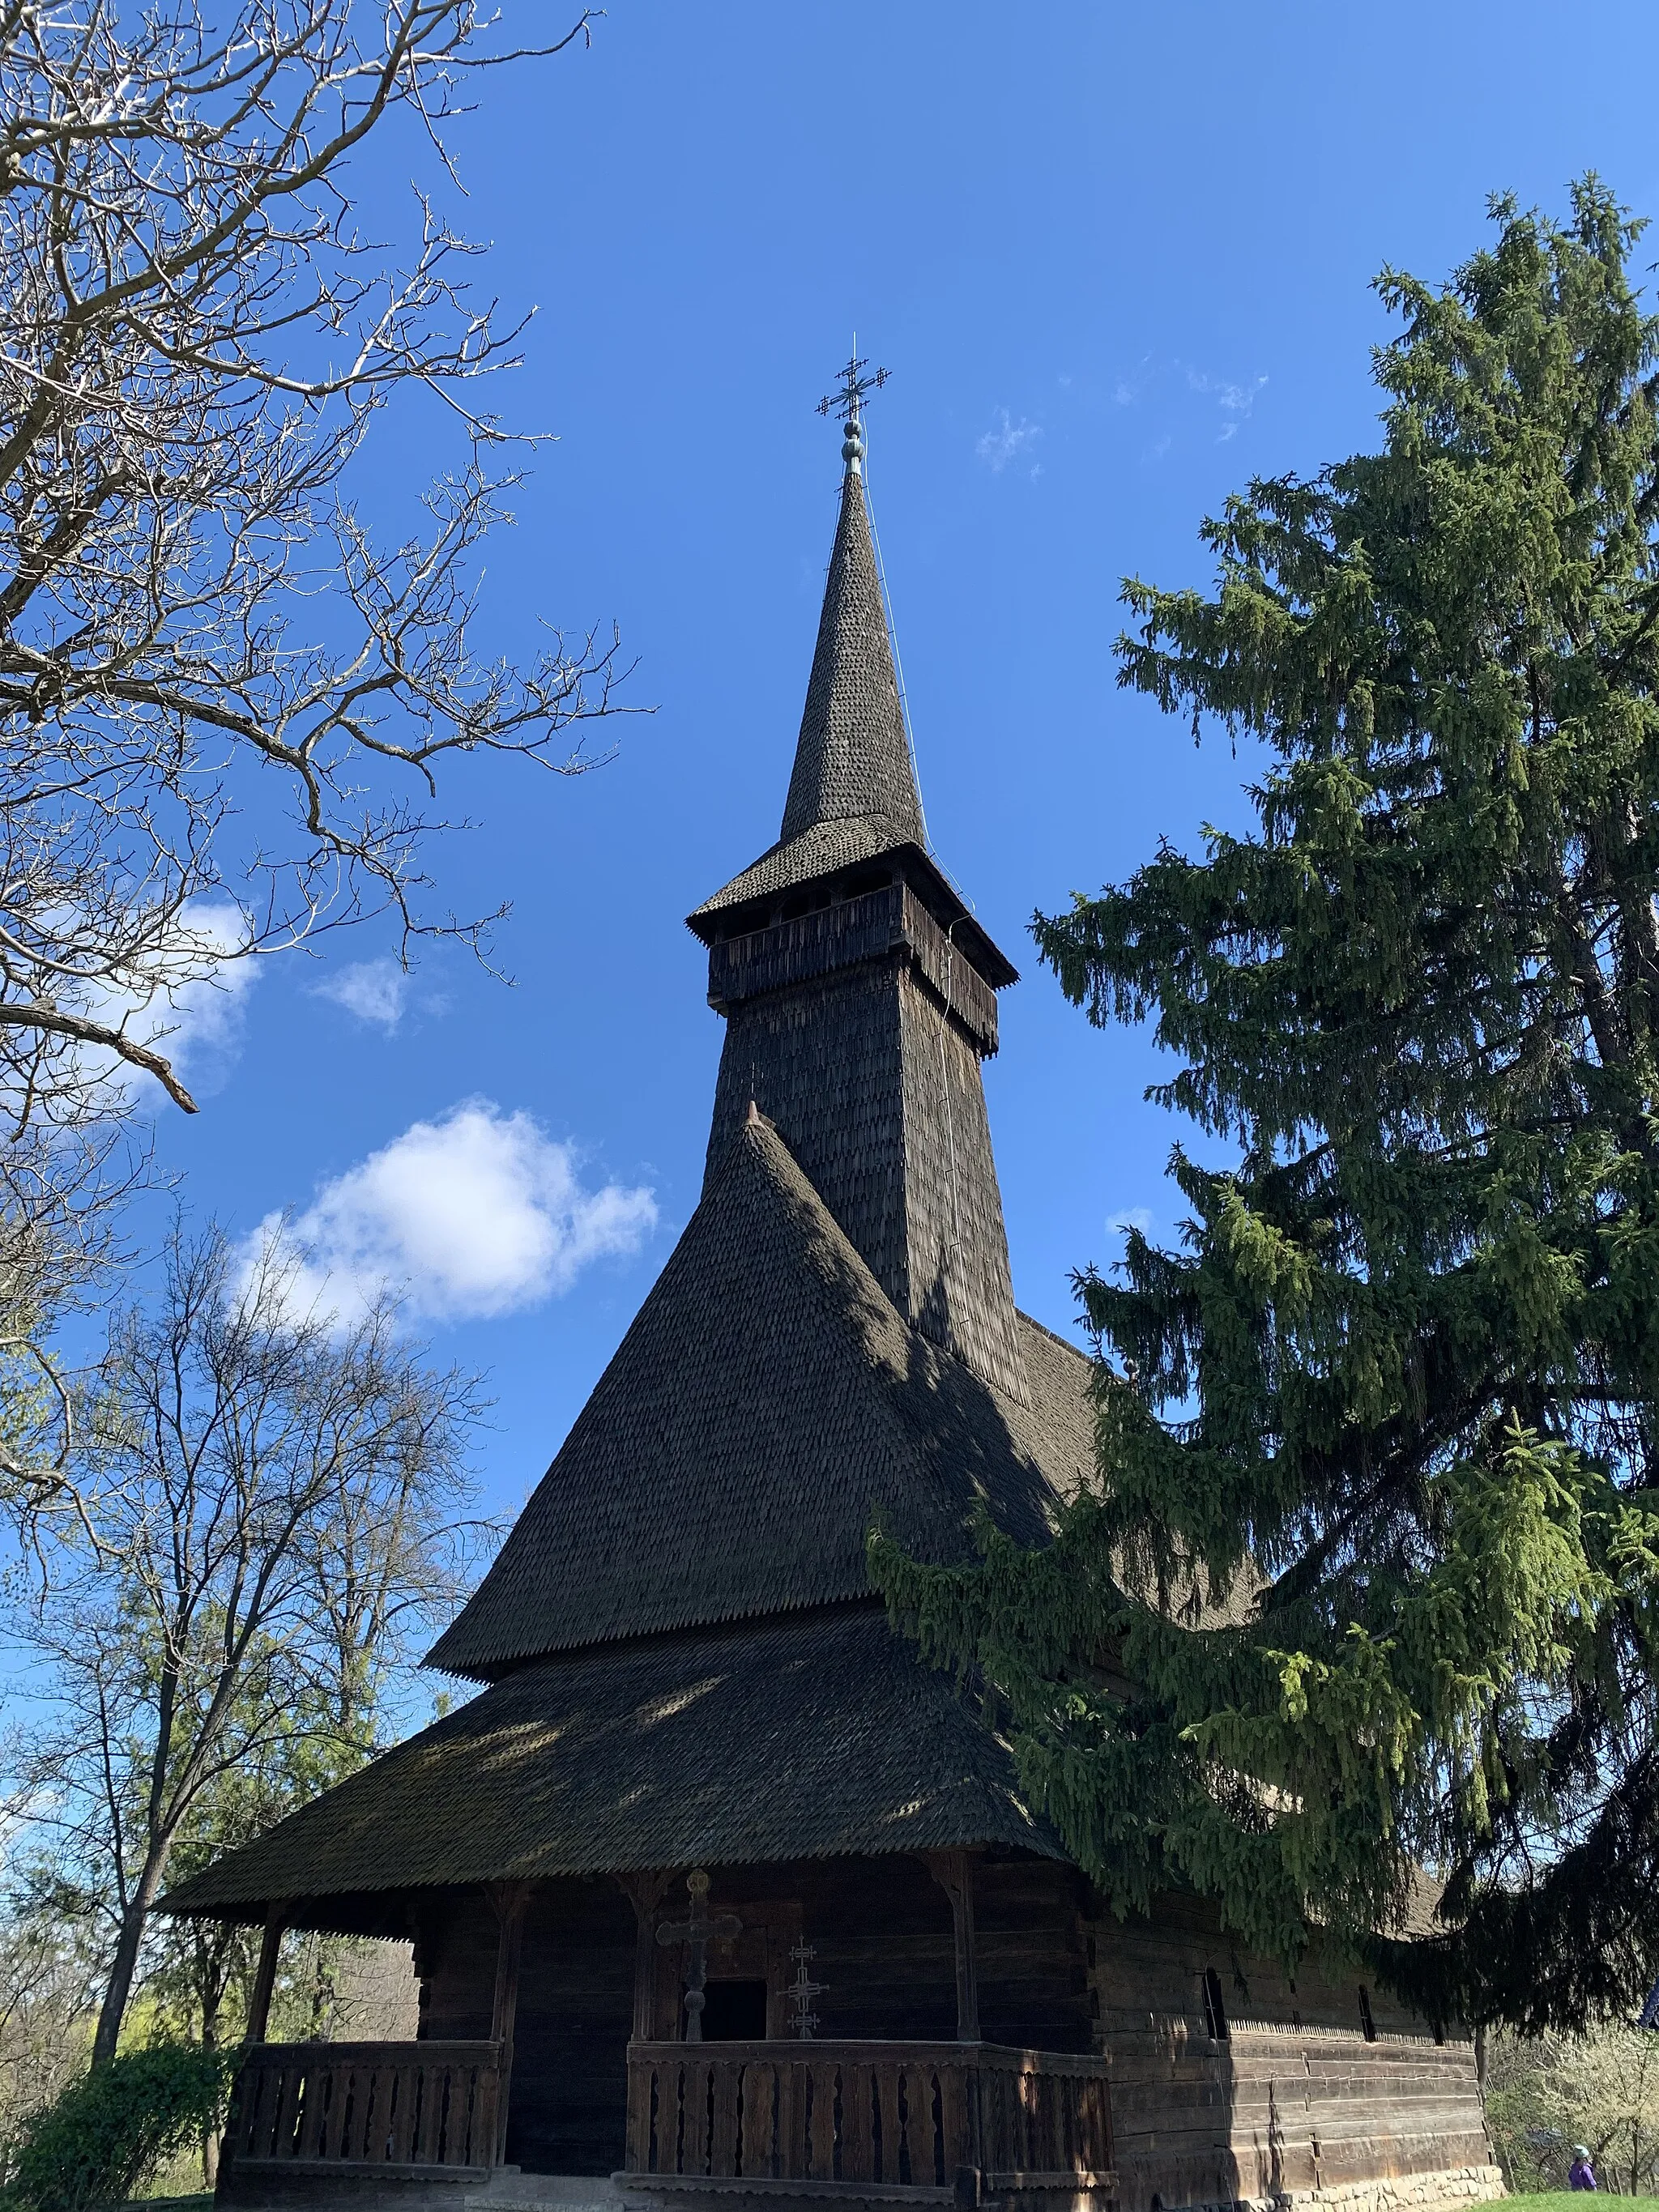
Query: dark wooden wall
x: 1033, y: 1971
x: 575, y: 2009
x: 569, y: 2089
x: 886, y: 1955
x: 1294, y: 2098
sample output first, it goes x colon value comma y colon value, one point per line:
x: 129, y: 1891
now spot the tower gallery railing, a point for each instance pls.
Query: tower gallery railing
x: 904, y: 2115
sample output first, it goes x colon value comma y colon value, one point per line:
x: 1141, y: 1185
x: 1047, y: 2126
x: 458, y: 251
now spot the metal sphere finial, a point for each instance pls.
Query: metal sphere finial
x: 846, y: 404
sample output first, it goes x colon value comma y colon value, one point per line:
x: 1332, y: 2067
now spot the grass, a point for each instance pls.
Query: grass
x: 1566, y: 2200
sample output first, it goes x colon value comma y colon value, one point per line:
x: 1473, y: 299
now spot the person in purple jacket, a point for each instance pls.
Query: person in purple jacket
x: 1581, y: 2174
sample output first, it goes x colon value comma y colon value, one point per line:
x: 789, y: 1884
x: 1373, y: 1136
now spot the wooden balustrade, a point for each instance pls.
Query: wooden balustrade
x: 904, y: 2115
x: 400, y: 2108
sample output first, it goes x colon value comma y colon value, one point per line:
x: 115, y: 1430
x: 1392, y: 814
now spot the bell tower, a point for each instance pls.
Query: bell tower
x: 859, y: 992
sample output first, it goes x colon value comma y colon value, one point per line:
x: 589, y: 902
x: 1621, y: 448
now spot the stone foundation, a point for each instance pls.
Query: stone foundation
x: 1403, y: 2192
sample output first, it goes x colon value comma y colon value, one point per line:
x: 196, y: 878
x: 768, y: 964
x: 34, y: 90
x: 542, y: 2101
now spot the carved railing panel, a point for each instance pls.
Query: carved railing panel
x: 395, y: 2107
x: 906, y: 2115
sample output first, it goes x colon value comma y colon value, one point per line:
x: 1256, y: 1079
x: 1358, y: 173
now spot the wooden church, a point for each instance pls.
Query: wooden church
x: 715, y: 1892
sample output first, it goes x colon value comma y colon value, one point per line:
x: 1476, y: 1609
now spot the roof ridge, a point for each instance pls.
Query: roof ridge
x: 1053, y: 1336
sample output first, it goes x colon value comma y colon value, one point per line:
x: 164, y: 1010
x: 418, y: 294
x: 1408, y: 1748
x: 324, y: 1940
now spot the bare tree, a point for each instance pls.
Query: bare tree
x: 59, y: 1194
x: 1602, y: 2088
x: 279, y: 1505
x: 196, y: 338
x: 46, y: 2000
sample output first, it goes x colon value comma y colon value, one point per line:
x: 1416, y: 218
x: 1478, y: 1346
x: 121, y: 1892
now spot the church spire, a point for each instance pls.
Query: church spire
x: 859, y: 991
x: 852, y: 757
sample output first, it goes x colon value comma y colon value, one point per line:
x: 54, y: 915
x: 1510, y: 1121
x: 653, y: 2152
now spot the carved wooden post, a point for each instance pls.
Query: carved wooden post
x: 699, y: 1929
x: 264, y: 1979
x: 954, y: 1873
x: 644, y: 1891
x: 507, y: 1901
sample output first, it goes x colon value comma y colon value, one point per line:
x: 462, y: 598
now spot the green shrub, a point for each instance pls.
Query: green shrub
x: 109, y: 2133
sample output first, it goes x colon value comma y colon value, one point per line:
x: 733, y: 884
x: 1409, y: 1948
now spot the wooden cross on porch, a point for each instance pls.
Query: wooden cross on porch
x: 696, y: 1931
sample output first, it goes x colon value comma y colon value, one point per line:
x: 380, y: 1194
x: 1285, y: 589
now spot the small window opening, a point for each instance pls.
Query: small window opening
x: 1367, y: 2024
x: 1215, y: 2012
x: 734, y: 2011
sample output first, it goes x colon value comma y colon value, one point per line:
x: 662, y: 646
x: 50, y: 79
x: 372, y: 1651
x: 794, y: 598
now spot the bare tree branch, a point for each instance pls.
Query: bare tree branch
x: 278, y: 1505
x: 198, y: 339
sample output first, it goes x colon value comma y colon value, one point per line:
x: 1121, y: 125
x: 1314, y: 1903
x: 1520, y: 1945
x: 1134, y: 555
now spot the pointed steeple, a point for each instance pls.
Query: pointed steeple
x: 859, y: 991
x: 852, y: 757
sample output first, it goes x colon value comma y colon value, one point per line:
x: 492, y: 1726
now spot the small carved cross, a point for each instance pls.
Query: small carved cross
x: 696, y: 1931
x: 802, y: 1990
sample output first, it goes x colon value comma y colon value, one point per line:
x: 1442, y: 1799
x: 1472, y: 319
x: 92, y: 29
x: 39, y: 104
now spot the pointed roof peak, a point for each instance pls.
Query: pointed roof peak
x: 852, y: 757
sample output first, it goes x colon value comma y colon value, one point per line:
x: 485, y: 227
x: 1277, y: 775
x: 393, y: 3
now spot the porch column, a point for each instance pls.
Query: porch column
x: 264, y: 1978
x: 507, y: 1901
x: 644, y: 1891
x: 954, y: 1873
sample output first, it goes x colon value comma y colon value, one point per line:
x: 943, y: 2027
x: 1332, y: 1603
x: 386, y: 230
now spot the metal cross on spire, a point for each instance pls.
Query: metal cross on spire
x: 853, y: 385
x: 846, y: 402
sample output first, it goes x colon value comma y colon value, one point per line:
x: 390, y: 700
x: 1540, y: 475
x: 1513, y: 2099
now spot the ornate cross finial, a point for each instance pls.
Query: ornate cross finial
x: 846, y: 402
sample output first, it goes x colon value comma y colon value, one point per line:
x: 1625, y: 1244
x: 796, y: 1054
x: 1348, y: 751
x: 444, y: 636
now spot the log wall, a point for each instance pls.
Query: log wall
x: 568, y: 2095
x: 1296, y: 2104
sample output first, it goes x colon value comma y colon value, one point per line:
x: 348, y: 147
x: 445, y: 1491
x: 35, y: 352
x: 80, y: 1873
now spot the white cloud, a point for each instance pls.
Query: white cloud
x: 1007, y: 442
x: 373, y: 990
x: 188, y: 1002
x: 478, y: 1214
x: 207, y: 1010
x: 1235, y: 400
x: 1131, y: 1217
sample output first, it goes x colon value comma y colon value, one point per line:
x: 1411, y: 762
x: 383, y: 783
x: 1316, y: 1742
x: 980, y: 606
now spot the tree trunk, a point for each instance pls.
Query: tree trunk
x: 212, y: 1996
x: 124, y: 1966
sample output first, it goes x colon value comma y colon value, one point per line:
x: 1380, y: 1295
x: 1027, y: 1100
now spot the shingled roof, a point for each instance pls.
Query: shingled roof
x: 766, y: 1405
x: 852, y: 757
x: 823, y: 849
x: 852, y: 794
x: 803, y: 1739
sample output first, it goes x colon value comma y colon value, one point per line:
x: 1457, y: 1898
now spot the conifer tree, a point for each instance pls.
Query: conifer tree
x: 1364, y: 1585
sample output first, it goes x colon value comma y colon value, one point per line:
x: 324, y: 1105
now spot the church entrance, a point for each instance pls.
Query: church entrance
x: 734, y: 2011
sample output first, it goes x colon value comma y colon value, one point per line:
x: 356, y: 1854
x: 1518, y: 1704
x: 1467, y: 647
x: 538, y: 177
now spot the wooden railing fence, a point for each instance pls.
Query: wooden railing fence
x: 905, y: 2115
x: 401, y: 2107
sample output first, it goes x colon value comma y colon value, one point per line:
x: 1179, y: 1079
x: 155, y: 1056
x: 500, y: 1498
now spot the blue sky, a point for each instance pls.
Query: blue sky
x: 1117, y: 261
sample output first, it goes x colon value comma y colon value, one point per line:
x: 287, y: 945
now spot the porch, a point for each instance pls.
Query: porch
x: 924, y: 2121
x: 672, y: 2042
